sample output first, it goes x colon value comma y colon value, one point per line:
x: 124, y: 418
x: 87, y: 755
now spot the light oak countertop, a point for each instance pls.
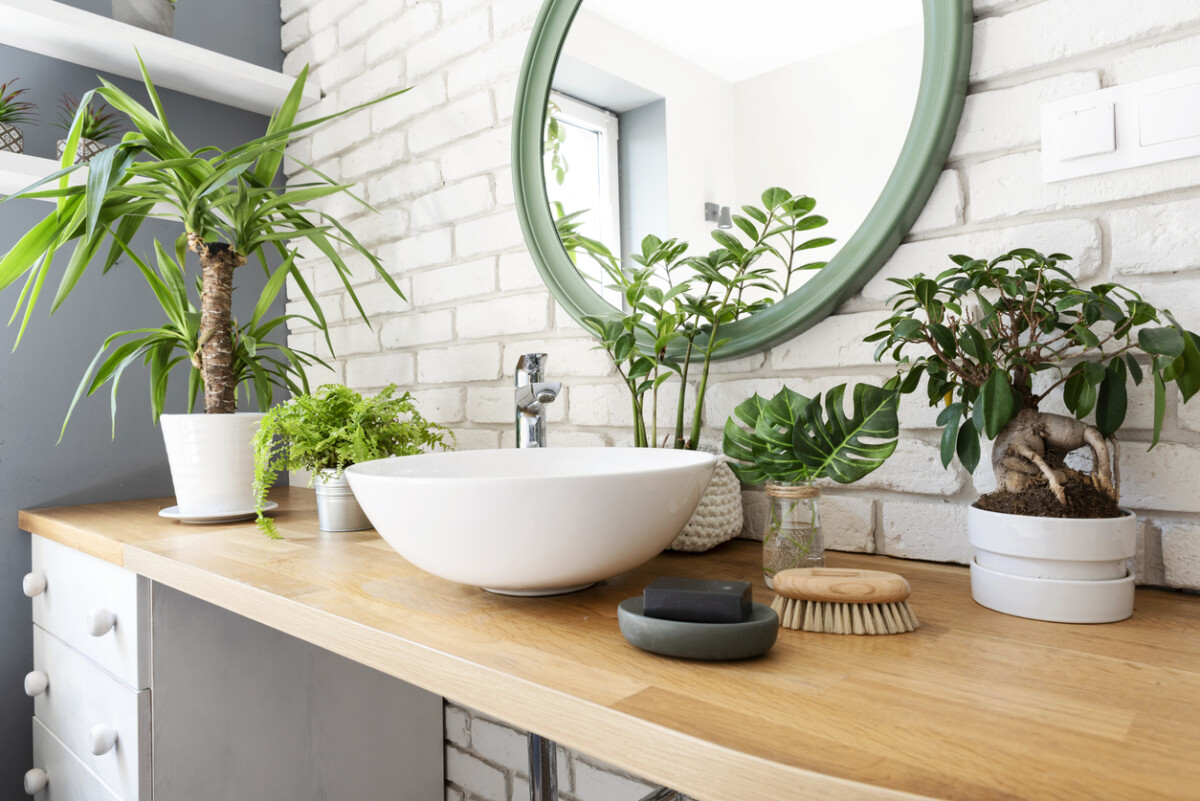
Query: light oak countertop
x: 974, y: 706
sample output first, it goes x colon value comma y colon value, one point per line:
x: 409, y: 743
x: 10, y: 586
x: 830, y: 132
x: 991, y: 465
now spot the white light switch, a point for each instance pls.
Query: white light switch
x: 1124, y: 126
x: 1088, y: 132
x: 1171, y: 115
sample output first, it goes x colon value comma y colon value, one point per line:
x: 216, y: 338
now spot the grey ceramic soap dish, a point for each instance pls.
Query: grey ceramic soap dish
x: 715, y: 641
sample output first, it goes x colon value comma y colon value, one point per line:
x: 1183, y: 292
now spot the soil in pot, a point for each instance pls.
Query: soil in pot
x: 1037, y: 500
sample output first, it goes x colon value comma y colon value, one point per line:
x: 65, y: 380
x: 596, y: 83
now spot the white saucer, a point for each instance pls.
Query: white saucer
x: 172, y: 512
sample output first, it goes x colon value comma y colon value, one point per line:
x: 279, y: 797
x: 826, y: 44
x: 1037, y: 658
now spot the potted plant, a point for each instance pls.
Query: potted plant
x: 791, y: 441
x: 13, y: 112
x: 994, y: 339
x: 157, y: 16
x: 676, y: 305
x: 231, y: 213
x: 327, y: 431
x: 97, y: 125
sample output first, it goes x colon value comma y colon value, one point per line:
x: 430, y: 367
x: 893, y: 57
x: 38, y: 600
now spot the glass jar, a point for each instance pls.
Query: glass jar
x: 793, y: 534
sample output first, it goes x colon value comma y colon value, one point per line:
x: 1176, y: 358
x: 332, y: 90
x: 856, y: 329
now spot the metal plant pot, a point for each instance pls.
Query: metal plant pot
x: 152, y: 15
x: 337, y: 508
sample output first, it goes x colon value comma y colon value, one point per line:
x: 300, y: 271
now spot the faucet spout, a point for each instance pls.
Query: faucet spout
x: 533, y: 394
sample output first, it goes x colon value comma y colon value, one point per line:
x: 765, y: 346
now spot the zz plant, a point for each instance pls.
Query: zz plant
x: 333, y: 428
x: 676, y: 304
x: 232, y: 213
x: 981, y: 332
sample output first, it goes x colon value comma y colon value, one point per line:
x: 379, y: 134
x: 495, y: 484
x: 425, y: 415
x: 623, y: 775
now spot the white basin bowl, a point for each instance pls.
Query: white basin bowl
x: 532, y: 521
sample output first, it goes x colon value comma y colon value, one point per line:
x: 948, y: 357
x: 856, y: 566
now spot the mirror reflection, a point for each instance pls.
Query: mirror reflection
x: 668, y: 119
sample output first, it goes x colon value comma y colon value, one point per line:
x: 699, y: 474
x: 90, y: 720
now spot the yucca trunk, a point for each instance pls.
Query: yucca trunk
x: 215, y: 355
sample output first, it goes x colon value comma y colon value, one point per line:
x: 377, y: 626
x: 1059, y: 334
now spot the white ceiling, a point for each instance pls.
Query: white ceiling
x: 736, y: 39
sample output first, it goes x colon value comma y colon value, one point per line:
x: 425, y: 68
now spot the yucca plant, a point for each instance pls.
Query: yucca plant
x: 231, y: 213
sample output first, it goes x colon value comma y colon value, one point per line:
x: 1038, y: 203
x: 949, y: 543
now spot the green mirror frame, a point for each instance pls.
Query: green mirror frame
x: 945, y: 66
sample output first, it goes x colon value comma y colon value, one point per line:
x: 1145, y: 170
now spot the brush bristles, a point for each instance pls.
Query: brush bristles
x: 834, y: 618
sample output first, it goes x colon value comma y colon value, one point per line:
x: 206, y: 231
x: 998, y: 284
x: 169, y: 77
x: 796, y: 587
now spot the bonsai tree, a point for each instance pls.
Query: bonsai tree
x: 231, y: 213
x: 676, y: 304
x: 333, y: 428
x: 981, y: 331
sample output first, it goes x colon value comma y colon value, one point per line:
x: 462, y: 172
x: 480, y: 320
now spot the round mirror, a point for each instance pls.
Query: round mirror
x: 714, y: 124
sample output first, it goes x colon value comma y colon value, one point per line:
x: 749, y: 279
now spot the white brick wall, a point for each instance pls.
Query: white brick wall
x: 435, y: 163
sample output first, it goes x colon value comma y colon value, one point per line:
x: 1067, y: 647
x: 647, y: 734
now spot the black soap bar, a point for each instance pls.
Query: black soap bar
x: 697, y: 600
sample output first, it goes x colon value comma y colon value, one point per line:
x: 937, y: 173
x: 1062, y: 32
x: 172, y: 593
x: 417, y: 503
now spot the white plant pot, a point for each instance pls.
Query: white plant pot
x: 1057, y: 569
x: 212, y: 461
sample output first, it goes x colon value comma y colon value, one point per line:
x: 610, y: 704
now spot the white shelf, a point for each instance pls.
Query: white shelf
x: 18, y: 171
x: 71, y: 34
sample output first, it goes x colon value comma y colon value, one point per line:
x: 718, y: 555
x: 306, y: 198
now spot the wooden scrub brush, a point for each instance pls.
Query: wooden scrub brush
x: 834, y: 601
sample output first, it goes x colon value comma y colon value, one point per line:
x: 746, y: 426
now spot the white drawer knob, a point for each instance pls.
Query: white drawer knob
x: 100, y: 621
x: 36, y: 683
x: 102, y: 739
x: 35, y: 781
x: 34, y: 584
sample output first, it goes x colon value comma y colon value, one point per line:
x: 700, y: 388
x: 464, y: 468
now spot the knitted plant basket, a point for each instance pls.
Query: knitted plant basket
x: 718, y: 518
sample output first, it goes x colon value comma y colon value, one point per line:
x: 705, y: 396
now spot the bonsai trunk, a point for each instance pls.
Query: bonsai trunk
x: 1031, y: 448
x: 215, y: 354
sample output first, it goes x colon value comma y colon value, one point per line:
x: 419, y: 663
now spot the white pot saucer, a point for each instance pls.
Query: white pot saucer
x: 1053, y: 600
x: 173, y: 513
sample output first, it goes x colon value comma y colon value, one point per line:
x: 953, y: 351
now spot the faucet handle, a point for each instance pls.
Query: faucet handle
x: 531, y: 365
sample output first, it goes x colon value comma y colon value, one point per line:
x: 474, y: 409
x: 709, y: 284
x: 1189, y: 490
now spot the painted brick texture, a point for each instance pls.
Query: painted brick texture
x: 434, y: 162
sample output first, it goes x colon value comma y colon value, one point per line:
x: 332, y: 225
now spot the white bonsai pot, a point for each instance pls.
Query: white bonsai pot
x: 212, y: 461
x: 1057, y: 569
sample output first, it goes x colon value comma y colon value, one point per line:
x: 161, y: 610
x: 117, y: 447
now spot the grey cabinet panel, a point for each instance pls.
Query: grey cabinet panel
x: 242, y: 711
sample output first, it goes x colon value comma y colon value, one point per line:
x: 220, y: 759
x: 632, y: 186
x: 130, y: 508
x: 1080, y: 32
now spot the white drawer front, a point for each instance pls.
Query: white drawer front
x: 67, y: 778
x: 78, y: 584
x: 79, y: 696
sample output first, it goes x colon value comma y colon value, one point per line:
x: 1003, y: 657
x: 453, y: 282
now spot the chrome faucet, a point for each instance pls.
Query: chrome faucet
x: 532, y: 396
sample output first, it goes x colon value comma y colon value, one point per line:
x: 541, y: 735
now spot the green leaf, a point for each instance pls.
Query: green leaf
x: 1135, y: 369
x: 1160, y: 409
x: 996, y: 398
x: 1093, y: 373
x: 1112, y: 399
x: 968, y: 446
x: 835, y: 446
x: 950, y: 418
x: 944, y: 338
x: 1161, y: 341
x: 775, y: 196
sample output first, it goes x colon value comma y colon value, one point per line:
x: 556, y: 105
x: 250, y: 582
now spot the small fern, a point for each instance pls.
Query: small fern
x: 333, y: 428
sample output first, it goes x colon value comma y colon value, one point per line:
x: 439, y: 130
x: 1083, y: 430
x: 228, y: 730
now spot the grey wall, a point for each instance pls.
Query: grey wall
x: 39, y: 379
x: 642, y: 154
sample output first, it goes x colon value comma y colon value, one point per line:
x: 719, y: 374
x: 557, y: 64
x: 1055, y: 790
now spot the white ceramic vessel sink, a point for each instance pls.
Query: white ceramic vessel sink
x: 533, y: 521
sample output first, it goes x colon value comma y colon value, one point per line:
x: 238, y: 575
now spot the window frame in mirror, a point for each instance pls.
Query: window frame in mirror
x: 945, y: 70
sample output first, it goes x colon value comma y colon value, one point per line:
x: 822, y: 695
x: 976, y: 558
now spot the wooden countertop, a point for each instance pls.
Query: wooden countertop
x: 975, y: 705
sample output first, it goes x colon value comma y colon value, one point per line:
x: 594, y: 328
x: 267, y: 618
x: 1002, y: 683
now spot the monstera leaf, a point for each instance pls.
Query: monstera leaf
x: 792, y: 438
x: 833, y: 447
x: 756, y: 454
